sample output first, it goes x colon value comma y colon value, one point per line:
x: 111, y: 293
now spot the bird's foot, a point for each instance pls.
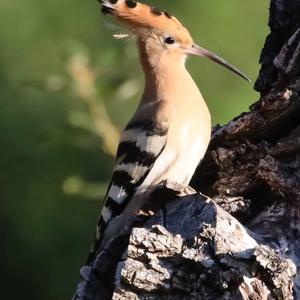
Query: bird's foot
x: 162, y: 194
x: 179, y: 189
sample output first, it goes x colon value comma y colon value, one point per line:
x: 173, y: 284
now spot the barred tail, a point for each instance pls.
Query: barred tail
x: 97, y: 240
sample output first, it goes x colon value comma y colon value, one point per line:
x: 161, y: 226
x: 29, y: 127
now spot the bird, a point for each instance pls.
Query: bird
x: 169, y: 133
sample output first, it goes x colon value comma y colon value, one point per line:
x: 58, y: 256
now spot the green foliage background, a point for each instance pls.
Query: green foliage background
x: 65, y: 86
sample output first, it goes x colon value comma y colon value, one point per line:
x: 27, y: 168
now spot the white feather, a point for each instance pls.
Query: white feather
x: 107, y: 4
x: 106, y: 214
x: 134, y: 170
x: 121, y: 36
x: 151, y: 144
x: 130, y: 135
x: 117, y: 193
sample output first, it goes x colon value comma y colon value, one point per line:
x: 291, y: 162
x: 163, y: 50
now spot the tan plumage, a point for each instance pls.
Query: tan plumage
x: 169, y: 133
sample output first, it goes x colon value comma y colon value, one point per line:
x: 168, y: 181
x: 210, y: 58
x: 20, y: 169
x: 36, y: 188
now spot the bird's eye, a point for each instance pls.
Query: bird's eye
x: 169, y: 40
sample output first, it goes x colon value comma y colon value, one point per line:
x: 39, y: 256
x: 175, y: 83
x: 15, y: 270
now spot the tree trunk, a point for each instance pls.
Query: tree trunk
x: 244, y: 241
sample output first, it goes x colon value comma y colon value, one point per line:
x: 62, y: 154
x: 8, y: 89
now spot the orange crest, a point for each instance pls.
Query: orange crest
x: 138, y: 15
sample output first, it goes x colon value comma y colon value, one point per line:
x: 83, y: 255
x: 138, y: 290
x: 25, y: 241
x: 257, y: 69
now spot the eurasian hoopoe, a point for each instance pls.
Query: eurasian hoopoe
x: 169, y: 133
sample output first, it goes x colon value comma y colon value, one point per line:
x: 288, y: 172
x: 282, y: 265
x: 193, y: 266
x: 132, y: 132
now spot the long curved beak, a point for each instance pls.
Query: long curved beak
x: 199, y: 51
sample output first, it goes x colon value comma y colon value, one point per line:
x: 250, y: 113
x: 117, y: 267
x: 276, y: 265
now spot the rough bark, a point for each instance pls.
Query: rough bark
x: 244, y: 241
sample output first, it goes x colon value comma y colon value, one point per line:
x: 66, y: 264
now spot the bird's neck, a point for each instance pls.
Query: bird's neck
x: 166, y: 78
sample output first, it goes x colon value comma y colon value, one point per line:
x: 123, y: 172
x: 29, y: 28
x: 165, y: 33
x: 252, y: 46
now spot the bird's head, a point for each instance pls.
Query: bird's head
x: 159, y: 34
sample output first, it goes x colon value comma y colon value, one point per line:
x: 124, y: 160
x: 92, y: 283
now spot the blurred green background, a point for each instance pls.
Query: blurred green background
x: 66, y: 88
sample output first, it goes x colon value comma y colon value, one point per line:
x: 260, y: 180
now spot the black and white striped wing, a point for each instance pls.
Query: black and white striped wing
x: 138, y: 150
x: 140, y: 145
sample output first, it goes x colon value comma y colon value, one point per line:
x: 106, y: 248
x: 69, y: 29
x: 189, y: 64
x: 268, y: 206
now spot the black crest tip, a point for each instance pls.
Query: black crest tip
x: 155, y: 11
x: 167, y: 15
x: 107, y: 10
x: 131, y: 3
